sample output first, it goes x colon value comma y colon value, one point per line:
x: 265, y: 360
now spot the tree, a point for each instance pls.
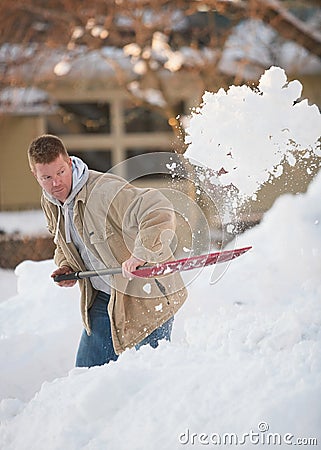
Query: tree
x: 160, y: 39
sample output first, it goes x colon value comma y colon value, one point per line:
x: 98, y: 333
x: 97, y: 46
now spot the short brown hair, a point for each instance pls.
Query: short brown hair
x: 45, y: 149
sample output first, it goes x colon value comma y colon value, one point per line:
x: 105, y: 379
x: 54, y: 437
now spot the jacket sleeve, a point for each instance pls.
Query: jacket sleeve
x: 148, y: 219
x: 59, y: 257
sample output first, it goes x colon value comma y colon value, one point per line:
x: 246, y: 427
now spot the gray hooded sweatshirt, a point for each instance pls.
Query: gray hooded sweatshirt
x: 79, y: 178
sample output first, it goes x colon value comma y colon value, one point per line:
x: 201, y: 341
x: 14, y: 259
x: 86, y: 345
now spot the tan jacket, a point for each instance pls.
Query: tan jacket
x: 115, y: 220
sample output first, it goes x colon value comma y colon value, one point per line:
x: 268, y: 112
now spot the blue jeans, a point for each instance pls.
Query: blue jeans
x: 97, y: 349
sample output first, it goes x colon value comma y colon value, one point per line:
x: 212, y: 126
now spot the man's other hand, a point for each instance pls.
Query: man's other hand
x: 62, y: 271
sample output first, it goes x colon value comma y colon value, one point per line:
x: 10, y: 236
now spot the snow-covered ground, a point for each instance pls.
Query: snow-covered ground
x: 243, y: 368
x: 245, y: 350
x: 30, y: 222
x: 8, y: 282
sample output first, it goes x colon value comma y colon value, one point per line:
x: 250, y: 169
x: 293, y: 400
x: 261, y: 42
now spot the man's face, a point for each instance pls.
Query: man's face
x: 55, y: 177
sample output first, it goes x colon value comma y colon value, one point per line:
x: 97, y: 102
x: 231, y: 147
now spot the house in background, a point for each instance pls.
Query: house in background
x: 95, y: 118
x: 82, y: 102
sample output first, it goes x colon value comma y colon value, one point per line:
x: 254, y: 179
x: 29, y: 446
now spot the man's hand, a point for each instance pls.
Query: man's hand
x: 61, y: 271
x: 130, y: 265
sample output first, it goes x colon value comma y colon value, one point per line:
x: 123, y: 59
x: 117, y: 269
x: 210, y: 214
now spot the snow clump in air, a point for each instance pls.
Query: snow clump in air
x: 245, y: 135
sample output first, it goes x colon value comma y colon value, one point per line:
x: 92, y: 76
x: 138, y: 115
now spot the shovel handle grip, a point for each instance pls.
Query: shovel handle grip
x: 66, y: 276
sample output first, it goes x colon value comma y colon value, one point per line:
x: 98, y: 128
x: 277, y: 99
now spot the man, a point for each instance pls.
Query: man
x: 99, y: 220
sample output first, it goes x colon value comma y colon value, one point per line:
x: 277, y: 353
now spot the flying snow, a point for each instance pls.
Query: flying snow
x: 245, y: 135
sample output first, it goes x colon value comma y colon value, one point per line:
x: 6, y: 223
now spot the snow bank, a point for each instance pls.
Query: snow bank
x: 245, y: 354
x: 8, y: 283
x: 40, y: 329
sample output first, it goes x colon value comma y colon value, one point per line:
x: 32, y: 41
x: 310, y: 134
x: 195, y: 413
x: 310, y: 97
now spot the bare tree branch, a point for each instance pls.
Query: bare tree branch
x: 201, y: 26
x: 275, y: 14
x: 286, y: 24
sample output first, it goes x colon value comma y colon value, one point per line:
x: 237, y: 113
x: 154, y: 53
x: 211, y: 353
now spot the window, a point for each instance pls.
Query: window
x: 80, y: 118
x: 100, y: 160
x: 140, y: 120
x: 152, y: 164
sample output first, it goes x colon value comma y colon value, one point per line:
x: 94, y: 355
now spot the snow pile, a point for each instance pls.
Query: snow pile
x: 40, y: 329
x: 7, y: 283
x: 245, y: 354
x: 250, y: 133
